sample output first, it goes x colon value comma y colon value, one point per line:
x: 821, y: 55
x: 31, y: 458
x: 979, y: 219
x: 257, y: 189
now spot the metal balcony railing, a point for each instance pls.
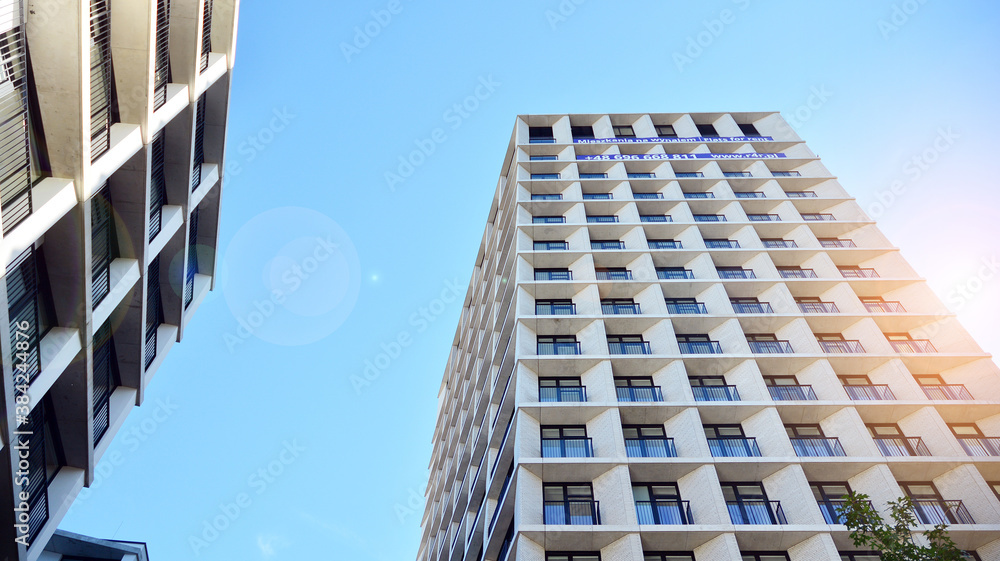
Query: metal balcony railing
x: 502, y: 496
x: 563, y: 394
x: 842, y: 347
x: 780, y: 244
x: 545, y: 176
x: 980, y: 446
x: 655, y: 218
x: 607, y: 245
x: 621, y: 309
x: 756, y: 511
x: 715, y: 393
x: 950, y: 393
x: 550, y: 246
x: 875, y: 392
x: 859, y: 273
x: 899, y: 446
x: 750, y: 195
x: 647, y: 196
x: 629, y: 348
x: 813, y: 447
x: 614, y: 275
x: 642, y: 176
x: 593, y: 176
x: 709, y: 218
x: 650, y: 448
x: 686, y: 308
x: 689, y: 174
x: 663, y: 512
x: 598, y: 196
x: 674, y: 274
x: 664, y: 244
x: 941, y: 512
x: 771, y: 347
x: 700, y: 347
x: 639, y: 393
x: 733, y: 447
x: 792, y: 393
x: 722, y: 244
x: 736, y: 274
x: 798, y: 274
x: 559, y: 348
x: 764, y: 218
x: 915, y: 346
x: 786, y: 174
x: 547, y: 197
x: 832, y: 509
x: 586, y: 513
x: 699, y: 195
x: 555, y: 309
x: 567, y: 448
x: 602, y: 219
x: 553, y: 275
x: 801, y: 194
x: 885, y: 307
x: 548, y: 220
x: 818, y: 308
x: 817, y: 216
x: 837, y: 243
x: 752, y: 308
x: 737, y: 174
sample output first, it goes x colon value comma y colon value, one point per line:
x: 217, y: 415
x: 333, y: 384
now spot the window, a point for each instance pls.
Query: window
x: 647, y: 196
x: 830, y: 497
x: 689, y: 175
x: 192, y: 257
x: 199, y: 142
x: 545, y: 176
x: 796, y: 273
x: 748, y: 129
x: 709, y: 218
x: 547, y: 197
x: 860, y: 556
x: 106, y: 379
x: 778, y: 243
x: 836, y: 242
x: 787, y: 388
x: 801, y: 194
x: 647, y: 441
x: 620, y: 306
x: 597, y: 196
x: 673, y: 273
x: 602, y: 219
x: 543, y: 157
x: 707, y: 130
x: 553, y: 274
x: 699, y: 195
x: 764, y: 217
x: 628, y: 345
x: 566, y: 442
x: 582, y: 131
x: 728, y: 441
x: 809, y: 441
x: 664, y: 244
x: 206, y: 34
x: 735, y: 273
x: 641, y: 175
x: 856, y: 272
x: 103, y: 112
x: 835, y: 343
x: 561, y: 390
x: 748, y: 504
x: 540, y: 135
x: 154, y: 309
x: 157, y: 185
x: 624, y: 131
x: 570, y: 503
x: 558, y: 345
x: 891, y: 441
x: 660, y: 503
x: 722, y: 244
x: 665, y: 131
x: 104, y: 243
x: 878, y: 305
x: 550, y: 246
x: 769, y: 556
x: 45, y: 458
x: 555, y: 307
x: 712, y: 388
x: 595, y: 175
x: 548, y: 219
x: 698, y: 344
x: 654, y: 218
x: 739, y: 174
x: 570, y: 557
x: 785, y: 173
x: 685, y: 306
x: 607, y: 244
x: 812, y: 305
x: 613, y: 273
x: 637, y: 388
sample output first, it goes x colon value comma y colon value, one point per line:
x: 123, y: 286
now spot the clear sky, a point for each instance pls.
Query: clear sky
x: 265, y: 421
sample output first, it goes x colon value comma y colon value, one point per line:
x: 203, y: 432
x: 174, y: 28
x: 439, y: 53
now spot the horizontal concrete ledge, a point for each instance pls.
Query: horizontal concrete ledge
x: 172, y: 217
x: 217, y: 66
x: 126, y: 140
x: 177, y: 100
x: 124, y: 274
x: 51, y: 198
x: 57, y: 350
x: 209, y: 177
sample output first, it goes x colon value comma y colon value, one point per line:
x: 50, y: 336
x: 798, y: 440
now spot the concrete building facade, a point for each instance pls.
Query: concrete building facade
x: 113, y: 142
x: 684, y: 340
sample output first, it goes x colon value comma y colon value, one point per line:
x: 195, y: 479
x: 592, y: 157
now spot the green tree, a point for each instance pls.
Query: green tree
x: 895, y: 539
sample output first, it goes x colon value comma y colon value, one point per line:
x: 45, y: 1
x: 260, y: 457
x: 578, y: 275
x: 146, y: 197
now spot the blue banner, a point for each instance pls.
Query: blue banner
x: 703, y: 156
x: 673, y: 139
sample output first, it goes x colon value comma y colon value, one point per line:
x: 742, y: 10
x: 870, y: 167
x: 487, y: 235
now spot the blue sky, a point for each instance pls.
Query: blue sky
x: 261, y: 424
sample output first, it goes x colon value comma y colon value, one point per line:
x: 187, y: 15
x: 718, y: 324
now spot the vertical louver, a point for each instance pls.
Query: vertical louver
x: 22, y: 298
x: 154, y: 308
x: 161, y: 74
x: 199, y: 143
x: 192, y: 260
x: 15, y: 161
x: 38, y: 483
x: 105, y: 379
x: 103, y: 243
x: 206, y: 34
x: 100, y: 78
x: 157, y: 186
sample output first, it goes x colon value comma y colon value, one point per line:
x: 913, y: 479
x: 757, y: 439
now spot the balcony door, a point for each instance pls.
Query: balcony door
x: 748, y: 503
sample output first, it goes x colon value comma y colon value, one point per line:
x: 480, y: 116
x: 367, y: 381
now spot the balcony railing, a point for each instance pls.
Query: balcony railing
x: 570, y: 394
x: 837, y: 243
x: 722, y: 244
x: 674, y: 274
x: 936, y: 512
x: 885, y: 307
x: 980, y: 446
x: 551, y: 246
x: 842, y: 347
x: 752, y: 308
x: 567, y: 448
x: 816, y: 216
x: 756, y: 511
x: 614, y: 275
x: 553, y: 275
x: 699, y: 195
x: 764, y: 218
x: 639, y: 393
x: 621, y: 309
x: 801, y: 194
x: 630, y: 348
x: 733, y: 447
x: 689, y: 174
x: 650, y: 448
x: 547, y: 197
x: 555, y: 309
x: 686, y: 308
x: 593, y: 176
x: 950, y: 392
x: 914, y: 346
x: 750, y: 195
x: 780, y: 244
x: 585, y: 513
x: 736, y: 274
x: 819, y: 308
x: 859, y: 273
x: 771, y: 347
x: 607, y: 245
x: 877, y: 392
x: 559, y: 348
x: 899, y: 446
x: 655, y: 218
x: 598, y: 196
x: 798, y: 274
x: 832, y: 509
x: 700, y: 347
x: 647, y: 196
x: 664, y: 244
x: 792, y: 393
x: 663, y: 512
x: 814, y: 447
x: 786, y: 174
x: 737, y: 174
x: 602, y: 219
x: 715, y: 393
x: 548, y: 220
x: 545, y: 176
x: 709, y: 218
x: 642, y: 176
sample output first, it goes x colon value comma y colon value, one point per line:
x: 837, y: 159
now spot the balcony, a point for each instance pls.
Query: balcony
x: 764, y: 218
x: 559, y: 348
x: 547, y: 197
x: 798, y: 274
x: 664, y: 244
x: 842, y: 347
x: 837, y: 243
x: 598, y: 196
x: 914, y: 346
x: 936, y: 511
x: 752, y: 308
x: 674, y: 273
x: 709, y: 218
x: 562, y: 394
x: 715, y: 393
x: 801, y: 194
x: 949, y: 393
x: 885, y: 307
x: 858, y: 273
x: 638, y: 394
x: 786, y: 174
x: 817, y: 217
x: 541, y: 140
x: 663, y: 512
x: 750, y: 195
x: 771, y: 347
x: 981, y: 446
x: 686, y: 308
x: 621, y: 309
x: 689, y: 174
x: 817, y: 447
x: 567, y: 309
x: 553, y: 275
x: 780, y: 244
x: 548, y: 220
x: 737, y: 174
x: 655, y: 218
x: 550, y: 246
x: 831, y: 509
x: 650, y: 448
x: 535, y: 176
x: 756, y: 511
x: 575, y: 513
x: 792, y: 393
x: 602, y: 219
x: 736, y: 274
x: 647, y: 196
x: 607, y: 245
x: 629, y: 348
x: 733, y: 447
x: 614, y: 275
x: 642, y: 176
x: 722, y: 244
x: 699, y: 195
x: 900, y: 446
x: 700, y: 347
x: 567, y: 448
x: 878, y: 392
x: 818, y: 308
x: 593, y: 176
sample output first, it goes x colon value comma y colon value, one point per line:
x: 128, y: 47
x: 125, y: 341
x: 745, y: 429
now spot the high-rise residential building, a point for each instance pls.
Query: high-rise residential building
x: 684, y: 340
x: 113, y: 134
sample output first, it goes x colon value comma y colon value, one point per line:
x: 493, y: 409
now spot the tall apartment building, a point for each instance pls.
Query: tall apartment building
x: 684, y: 340
x: 111, y: 159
